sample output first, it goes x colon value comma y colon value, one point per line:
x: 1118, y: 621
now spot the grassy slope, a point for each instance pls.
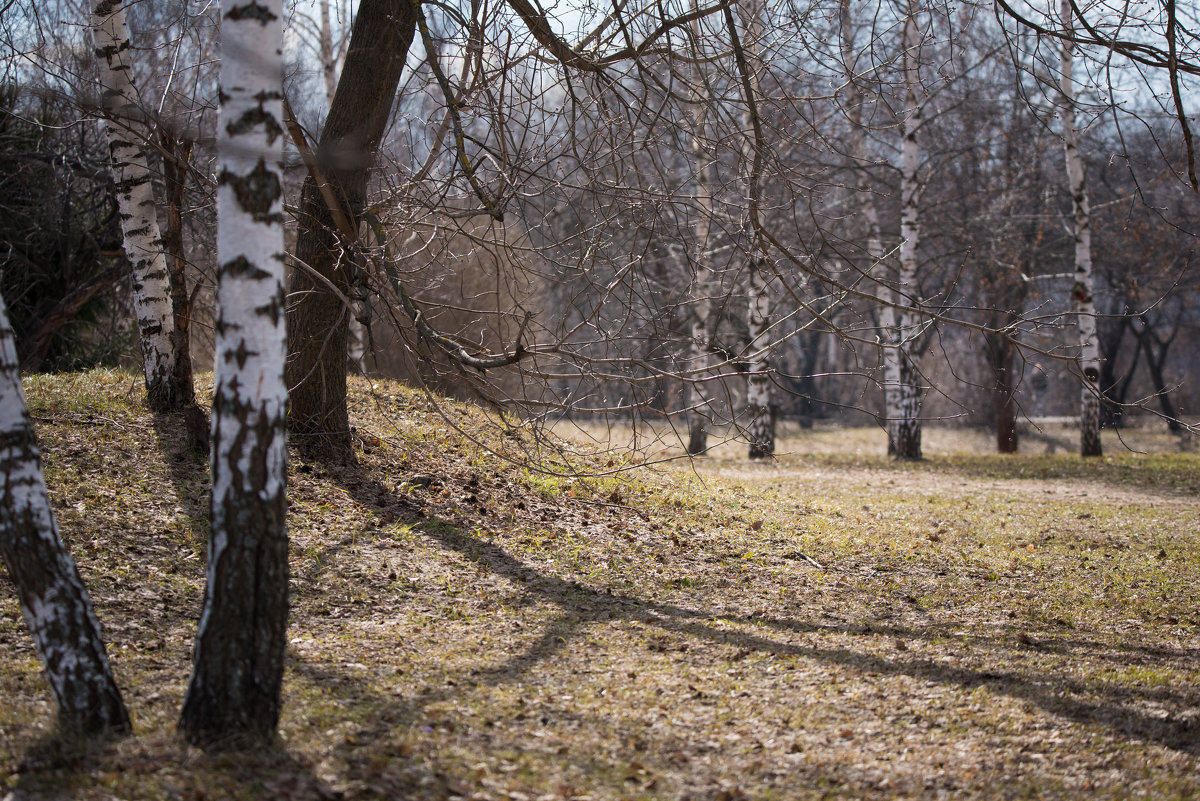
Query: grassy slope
x: 827, y: 626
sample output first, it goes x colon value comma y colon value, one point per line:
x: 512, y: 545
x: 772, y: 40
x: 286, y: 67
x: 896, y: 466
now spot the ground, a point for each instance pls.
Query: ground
x: 479, y: 612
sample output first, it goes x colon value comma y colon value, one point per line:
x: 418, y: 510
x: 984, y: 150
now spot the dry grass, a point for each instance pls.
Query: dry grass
x: 831, y: 625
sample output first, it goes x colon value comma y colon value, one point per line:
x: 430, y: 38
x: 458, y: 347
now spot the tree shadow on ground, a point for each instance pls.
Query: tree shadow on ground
x: 1122, y: 711
x: 55, y: 767
x: 187, y: 469
x: 1057, y: 694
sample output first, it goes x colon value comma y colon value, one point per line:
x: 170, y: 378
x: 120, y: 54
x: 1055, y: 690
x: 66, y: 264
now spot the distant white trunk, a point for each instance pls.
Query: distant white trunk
x: 135, y: 198
x: 328, y: 61
x: 901, y: 381
x: 1081, y: 292
x: 760, y: 427
x: 234, y: 693
x: 699, y: 293
x: 53, y: 601
x: 356, y: 342
x: 884, y: 272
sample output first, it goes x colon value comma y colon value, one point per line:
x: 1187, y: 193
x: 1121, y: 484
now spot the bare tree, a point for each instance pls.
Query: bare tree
x: 1081, y: 290
x: 56, y: 607
x: 760, y: 405
x: 166, y: 386
x: 234, y: 695
x: 349, y: 143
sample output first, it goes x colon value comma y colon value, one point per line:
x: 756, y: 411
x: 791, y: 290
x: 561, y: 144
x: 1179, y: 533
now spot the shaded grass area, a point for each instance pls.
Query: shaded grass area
x: 467, y: 627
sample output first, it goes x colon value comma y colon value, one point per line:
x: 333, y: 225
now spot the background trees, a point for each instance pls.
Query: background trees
x: 581, y: 132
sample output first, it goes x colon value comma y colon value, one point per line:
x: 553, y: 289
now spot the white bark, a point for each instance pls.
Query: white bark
x: 234, y: 693
x: 761, y: 425
x: 135, y: 198
x: 901, y: 387
x: 1081, y: 292
x: 54, y: 603
x: 328, y: 62
x: 700, y: 291
x: 885, y: 273
x: 250, y: 402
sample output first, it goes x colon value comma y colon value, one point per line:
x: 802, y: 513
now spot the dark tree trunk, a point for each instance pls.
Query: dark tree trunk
x: 1156, y: 349
x: 1111, y: 333
x: 697, y: 435
x: 55, y: 604
x: 1001, y: 355
x: 177, y: 155
x: 317, y: 319
x: 906, y: 444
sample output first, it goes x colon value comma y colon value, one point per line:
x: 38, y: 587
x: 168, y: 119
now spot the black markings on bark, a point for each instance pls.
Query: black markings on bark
x: 18, y: 439
x: 234, y: 696
x: 241, y: 267
x: 108, y: 52
x: 253, y: 118
x: 251, y: 10
x: 242, y: 354
x: 126, y: 185
x: 274, y: 309
x: 256, y: 192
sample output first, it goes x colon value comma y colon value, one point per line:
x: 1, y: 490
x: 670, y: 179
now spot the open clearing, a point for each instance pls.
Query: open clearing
x: 832, y: 625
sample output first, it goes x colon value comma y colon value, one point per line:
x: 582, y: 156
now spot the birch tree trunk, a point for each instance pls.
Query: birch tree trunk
x: 888, y: 340
x: 135, y: 199
x: 233, y: 698
x: 761, y: 426
x: 1081, y: 292
x: 700, y: 292
x: 328, y: 62
x: 53, y: 601
x: 902, y: 388
x: 759, y: 405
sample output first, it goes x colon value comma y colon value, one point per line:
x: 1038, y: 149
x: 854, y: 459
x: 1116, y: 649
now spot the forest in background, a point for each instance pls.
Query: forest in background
x: 664, y: 243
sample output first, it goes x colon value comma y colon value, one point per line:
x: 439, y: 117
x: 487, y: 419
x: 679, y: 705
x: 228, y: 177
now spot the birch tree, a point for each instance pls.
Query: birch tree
x: 700, y: 290
x: 760, y: 427
x: 138, y: 211
x: 1081, y: 292
x: 855, y: 105
x: 54, y: 603
x: 234, y: 695
x: 901, y: 380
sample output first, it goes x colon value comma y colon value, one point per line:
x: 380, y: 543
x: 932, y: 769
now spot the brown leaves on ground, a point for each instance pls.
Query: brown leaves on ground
x: 526, y: 622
